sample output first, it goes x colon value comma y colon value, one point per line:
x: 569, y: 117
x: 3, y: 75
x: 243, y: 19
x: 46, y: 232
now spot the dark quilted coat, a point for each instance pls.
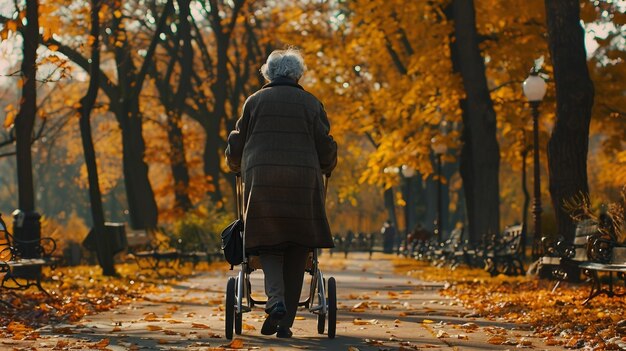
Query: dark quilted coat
x: 282, y: 147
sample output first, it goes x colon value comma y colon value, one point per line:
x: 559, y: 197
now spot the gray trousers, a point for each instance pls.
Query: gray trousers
x: 284, y: 273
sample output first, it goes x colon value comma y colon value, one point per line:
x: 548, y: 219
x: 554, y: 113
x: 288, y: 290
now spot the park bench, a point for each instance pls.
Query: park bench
x: 21, y: 260
x: 338, y: 241
x: 357, y: 243
x: 504, y: 254
x: 606, y: 257
x: 444, y: 253
x: 472, y: 255
x: 563, y: 260
x: 170, y: 253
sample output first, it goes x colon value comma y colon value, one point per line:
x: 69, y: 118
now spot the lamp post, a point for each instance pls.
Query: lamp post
x: 535, y: 89
x: 407, y: 173
x: 440, y: 148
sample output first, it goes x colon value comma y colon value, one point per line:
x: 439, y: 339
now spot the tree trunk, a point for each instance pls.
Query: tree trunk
x: 26, y: 223
x: 480, y: 155
x: 390, y: 205
x: 25, y: 120
x: 420, y: 202
x: 140, y: 196
x: 212, y: 157
x: 223, y: 32
x: 105, y: 256
x: 180, y: 171
x: 178, y: 163
x: 141, y: 204
x: 568, y: 145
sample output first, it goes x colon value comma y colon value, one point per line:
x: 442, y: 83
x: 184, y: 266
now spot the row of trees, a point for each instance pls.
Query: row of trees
x: 156, y: 85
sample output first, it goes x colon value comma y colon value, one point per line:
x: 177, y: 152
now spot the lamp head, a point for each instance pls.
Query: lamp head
x: 408, y: 171
x: 534, y: 87
x: 439, y: 147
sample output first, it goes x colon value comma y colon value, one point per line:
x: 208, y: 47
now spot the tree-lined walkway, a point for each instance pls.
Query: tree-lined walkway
x: 378, y: 310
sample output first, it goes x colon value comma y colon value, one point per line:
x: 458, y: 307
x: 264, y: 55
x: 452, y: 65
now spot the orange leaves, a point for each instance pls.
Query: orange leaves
x: 10, y: 114
x: 248, y: 327
x: 496, y: 340
x: 200, y: 326
x: 101, y: 344
x: 360, y: 307
x: 235, y: 344
x: 18, y: 330
x: 10, y: 27
x: 526, y: 300
x: 358, y: 321
x: 151, y: 317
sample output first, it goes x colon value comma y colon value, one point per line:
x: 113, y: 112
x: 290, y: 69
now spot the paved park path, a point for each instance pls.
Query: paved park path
x: 378, y: 310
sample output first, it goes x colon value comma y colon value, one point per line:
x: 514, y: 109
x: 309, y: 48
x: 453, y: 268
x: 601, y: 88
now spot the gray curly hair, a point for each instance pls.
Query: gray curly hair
x: 284, y: 63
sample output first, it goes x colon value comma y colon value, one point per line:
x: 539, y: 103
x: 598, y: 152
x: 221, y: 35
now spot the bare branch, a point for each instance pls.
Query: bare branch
x: 500, y: 86
x: 169, y: 7
x: 106, y: 84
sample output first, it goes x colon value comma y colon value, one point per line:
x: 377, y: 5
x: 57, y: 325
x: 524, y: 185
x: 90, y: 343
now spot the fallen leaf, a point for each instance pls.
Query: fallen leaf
x: 361, y: 305
x: 235, y: 344
x: 364, y: 322
x: 496, y: 340
x: 102, y: 344
x: 200, y: 326
x: 525, y: 342
x: 469, y: 326
x: 151, y: 317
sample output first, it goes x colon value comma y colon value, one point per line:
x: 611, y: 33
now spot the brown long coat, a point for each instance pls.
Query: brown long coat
x: 282, y: 147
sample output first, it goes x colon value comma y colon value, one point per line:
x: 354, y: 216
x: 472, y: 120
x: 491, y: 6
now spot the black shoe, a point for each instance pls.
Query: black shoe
x: 283, y: 332
x: 275, y: 315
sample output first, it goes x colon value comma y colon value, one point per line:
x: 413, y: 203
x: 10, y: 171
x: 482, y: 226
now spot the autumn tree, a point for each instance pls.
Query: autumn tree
x: 382, y: 69
x: 568, y: 145
x: 105, y: 256
x: 480, y: 154
x: 28, y: 226
x: 605, y: 21
x: 174, y: 102
x: 229, y: 46
x: 124, y: 102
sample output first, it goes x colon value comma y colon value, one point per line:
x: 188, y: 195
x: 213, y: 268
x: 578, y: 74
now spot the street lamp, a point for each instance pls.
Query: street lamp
x: 440, y: 148
x: 535, y: 89
x: 407, y: 173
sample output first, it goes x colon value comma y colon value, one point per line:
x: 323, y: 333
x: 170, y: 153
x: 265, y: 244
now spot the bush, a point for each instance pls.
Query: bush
x: 200, y: 228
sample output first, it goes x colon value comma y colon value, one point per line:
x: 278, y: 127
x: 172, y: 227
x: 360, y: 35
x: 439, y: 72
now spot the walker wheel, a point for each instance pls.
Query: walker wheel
x: 332, y: 307
x: 321, y: 318
x: 230, y: 308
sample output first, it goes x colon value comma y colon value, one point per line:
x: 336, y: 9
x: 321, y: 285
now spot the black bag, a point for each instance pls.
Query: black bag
x: 232, y: 242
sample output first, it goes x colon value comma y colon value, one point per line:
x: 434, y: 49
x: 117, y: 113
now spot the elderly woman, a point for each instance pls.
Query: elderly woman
x: 282, y: 147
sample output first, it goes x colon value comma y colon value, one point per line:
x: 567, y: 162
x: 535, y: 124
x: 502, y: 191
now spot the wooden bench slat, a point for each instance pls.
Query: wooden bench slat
x: 606, y: 267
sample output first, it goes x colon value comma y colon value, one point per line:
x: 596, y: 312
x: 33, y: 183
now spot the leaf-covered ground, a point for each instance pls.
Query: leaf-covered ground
x: 559, y: 316
x: 76, y: 292
x: 559, y: 319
